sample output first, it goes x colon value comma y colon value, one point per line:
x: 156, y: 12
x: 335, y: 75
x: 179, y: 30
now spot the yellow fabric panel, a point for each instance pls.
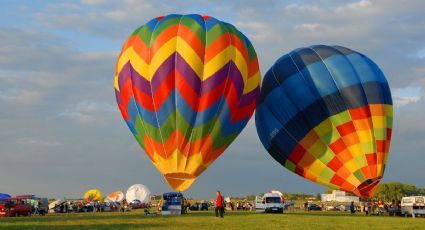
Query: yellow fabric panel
x: 252, y: 83
x: 139, y: 65
x: 160, y: 56
x: 218, y: 62
x: 241, y: 64
x: 351, y: 165
x: 116, y: 85
x: 379, y: 122
x: 365, y: 136
x: 353, y: 180
x: 356, y: 150
x: 316, y: 167
x: 190, y: 56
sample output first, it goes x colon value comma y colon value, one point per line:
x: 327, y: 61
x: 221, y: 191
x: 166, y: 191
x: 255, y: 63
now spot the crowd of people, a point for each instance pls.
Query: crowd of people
x: 94, y: 206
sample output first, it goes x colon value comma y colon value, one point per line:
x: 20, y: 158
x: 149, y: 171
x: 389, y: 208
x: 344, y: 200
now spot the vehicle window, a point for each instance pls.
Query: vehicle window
x: 272, y: 199
x: 407, y: 200
x: 419, y: 200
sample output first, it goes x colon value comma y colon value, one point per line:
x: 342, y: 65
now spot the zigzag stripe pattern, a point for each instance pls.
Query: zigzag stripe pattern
x: 186, y: 86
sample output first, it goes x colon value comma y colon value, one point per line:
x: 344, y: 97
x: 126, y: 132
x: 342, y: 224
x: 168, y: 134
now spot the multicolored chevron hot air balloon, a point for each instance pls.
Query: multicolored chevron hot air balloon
x: 186, y: 85
x: 325, y: 113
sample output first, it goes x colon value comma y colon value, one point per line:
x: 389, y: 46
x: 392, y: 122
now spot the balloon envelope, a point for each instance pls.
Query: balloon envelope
x: 325, y: 113
x: 93, y: 195
x: 4, y: 196
x: 138, y: 192
x: 116, y: 196
x: 186, y: 86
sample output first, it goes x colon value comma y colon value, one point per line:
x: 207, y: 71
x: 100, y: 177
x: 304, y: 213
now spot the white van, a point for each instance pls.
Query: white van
x: 270, y: 202
x: 413, y: 205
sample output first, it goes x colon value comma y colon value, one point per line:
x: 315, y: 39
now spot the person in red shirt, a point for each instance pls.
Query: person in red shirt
x: 219, y: 205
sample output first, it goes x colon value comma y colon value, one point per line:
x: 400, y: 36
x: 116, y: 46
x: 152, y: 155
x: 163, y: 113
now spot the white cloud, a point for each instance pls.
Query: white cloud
x: 358, y: 5
x: 37, y: 142
x: 403, y: 101
x: 20, y: 97
x: 88, y: 111
x: 308, y: 26
x: 406, y: 96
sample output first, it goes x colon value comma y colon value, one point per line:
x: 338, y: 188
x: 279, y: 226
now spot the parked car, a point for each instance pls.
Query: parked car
x: 199, y: 206
x: 340, y: 207
x: 4, y: 202
x: 136, y: 204
x: 314, y: 207
x: 330, y: 208
x: 203, y: 206
x: 21, y: 205
x: 194, y: 207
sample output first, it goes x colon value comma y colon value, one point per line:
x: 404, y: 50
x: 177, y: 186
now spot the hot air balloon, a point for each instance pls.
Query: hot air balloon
x: 93, y: 195
x: 138, y: 192
x: 325, y: 113
x: 4, y: 196
x: 116, y: 196
x: 186, y: 86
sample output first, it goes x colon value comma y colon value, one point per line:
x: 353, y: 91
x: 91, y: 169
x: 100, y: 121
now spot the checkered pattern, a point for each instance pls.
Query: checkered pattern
x: 347, y: 151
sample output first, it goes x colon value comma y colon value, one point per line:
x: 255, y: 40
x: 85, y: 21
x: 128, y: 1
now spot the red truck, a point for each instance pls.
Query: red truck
x: 18, y: 206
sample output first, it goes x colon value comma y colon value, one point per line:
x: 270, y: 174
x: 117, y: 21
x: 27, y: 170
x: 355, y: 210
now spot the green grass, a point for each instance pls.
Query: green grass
x: 206, y: 220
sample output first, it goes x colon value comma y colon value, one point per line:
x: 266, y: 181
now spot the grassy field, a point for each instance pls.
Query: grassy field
x: 206, y: 220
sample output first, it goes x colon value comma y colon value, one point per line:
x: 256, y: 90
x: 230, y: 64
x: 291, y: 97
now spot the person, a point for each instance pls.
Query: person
x: 124, y: 205
x: 352, y: 210
x: 188, y: 207
x: 366, y: 209
x: 219, y: 205
x: 8, y: 207
x: 65, y: 207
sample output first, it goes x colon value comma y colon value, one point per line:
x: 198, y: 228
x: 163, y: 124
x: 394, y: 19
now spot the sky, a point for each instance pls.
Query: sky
x: 62, y: 134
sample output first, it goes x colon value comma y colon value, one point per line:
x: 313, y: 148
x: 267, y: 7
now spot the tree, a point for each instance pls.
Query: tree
x: 395, y: 191
x: 328, y: 190
x: 318, y: 196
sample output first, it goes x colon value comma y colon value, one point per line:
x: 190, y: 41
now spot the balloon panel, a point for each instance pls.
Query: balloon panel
x: 325, y: 113
x: 93, y: 195
x: 186, y: 85
x: 116, y: 196
x: 138, y: 192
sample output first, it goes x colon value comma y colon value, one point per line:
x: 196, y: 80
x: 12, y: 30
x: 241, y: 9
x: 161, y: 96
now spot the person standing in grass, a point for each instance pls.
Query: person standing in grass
x: 352, y: 210
x: 219, y: 205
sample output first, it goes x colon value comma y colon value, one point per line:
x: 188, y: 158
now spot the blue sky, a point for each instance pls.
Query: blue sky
x: 61, y: 130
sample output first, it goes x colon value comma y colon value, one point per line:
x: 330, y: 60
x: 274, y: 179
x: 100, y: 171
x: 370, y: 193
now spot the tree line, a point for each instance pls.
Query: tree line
x: 396, y: 190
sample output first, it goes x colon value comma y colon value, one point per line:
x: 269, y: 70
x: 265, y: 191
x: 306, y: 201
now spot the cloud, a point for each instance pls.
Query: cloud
x: 37, y: 142
x: 407, y: 95
x: 308, y: 27
x: 20, y: 97
x: 88, y: 111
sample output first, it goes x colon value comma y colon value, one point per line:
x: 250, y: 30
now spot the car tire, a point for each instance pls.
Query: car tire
x: 16, y: 214
x: 29, y: 213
